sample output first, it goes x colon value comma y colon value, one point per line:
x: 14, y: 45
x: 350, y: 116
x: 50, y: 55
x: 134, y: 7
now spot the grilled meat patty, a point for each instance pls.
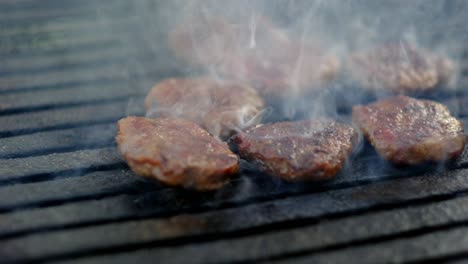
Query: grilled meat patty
x: 301, y: 150
x: 401, y: 68
x: 408, y: 131
x: 176, y: 152
x: 221, y: 107
x: 276, y: 64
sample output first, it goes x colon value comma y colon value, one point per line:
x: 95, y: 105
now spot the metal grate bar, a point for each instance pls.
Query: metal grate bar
x: 48, y: 166
x: 41, y: 13
x: 171, y: 202
x: 76, y: 26
x: 432, y: 246
x: 50, y: 46
x: 59, y: 78
x: 312, y: 207
x: 67, y: 60
x: 86, y: 94
x: 87, y: 187
x: 65, y: 118
x: 73, y: 48
x: 330, y: 235
x: 58, y: 141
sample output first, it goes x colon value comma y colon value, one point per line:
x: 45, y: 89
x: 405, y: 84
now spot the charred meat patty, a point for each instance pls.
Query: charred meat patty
x: 301, y: 150
x: 176, y: 152
x: 408, y: 131
x: 401, y: 68
x: 221, y: 107
x: 263, y: 55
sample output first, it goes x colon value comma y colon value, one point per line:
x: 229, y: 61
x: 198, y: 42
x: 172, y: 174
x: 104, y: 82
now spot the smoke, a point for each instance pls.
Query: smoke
x: 336, y: 29
x: 312, y: 40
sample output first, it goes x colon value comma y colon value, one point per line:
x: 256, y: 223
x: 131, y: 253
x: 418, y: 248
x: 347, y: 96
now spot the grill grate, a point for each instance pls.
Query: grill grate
x: 66, y: 196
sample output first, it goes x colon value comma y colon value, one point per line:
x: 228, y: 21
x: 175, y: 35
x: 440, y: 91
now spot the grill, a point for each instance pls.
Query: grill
x: 70, y: 69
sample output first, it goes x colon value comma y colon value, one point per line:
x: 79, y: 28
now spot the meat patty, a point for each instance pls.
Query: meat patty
x: 279, y: 65
x: 221, y: 107
x: 408, y: 131
x: 401, y: 68
x: 264, y: 55
x: 176, y: 152
x: 301, y: 150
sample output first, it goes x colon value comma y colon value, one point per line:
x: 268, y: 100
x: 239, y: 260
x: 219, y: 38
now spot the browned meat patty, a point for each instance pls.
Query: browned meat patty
x: 276, y: 64
x: 401, y: 68
x: 302, y: 150
x: 409, y: 131
x: 279, y: 65
x: 176, y: 152
x: 221, y: 107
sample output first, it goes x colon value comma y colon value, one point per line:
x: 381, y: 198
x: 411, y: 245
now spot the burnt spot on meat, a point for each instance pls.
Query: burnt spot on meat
x: 408, y: 131
x: 301, y: 150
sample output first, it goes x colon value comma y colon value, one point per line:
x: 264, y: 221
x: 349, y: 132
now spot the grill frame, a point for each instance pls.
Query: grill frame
x: 66, y: 195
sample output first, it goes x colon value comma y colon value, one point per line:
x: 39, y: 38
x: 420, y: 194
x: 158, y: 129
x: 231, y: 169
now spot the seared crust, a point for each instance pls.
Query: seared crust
x: 401, y: 69
x: 269, y: 59
x: 409, y: 131
x: 221, y: 107
x: 302, y: 150
x: 176, y: 152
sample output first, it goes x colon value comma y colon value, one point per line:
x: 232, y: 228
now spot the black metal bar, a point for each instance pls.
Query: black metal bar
x: 313, y: 206
x: 247, y: 190
x: 65, y: 140
x: 56, y: 119
x: 87, y: 94
x: 70, y: 10
x: 42, y: 64
x: 73, y: 27
x: 411, y: 249
x: 90, y: 186
x: 322, y: 239
x: 49, y: 166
